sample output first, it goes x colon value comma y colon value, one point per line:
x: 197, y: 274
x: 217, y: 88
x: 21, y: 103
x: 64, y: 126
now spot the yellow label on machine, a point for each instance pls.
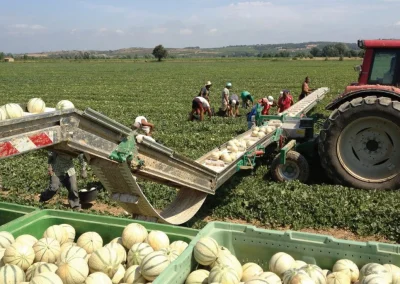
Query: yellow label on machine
x: 301, y: 131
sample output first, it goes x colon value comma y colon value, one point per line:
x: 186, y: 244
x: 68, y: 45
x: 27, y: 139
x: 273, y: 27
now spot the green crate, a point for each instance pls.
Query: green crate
x: 10, y: 212
x: 251, y: 244
x: 108, y: 227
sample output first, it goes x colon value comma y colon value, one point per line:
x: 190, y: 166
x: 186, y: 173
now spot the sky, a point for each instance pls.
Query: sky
x: 28, y: 26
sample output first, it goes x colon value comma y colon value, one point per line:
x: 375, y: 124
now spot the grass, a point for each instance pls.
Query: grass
x: 163, y: 93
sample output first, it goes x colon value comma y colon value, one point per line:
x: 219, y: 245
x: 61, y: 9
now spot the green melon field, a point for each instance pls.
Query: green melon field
x: 163, y: 93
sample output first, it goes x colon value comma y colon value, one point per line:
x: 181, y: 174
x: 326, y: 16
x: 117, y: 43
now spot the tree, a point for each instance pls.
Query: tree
x: 341, y: 48
x: 1, y: 55
x: 86, y: 55
x: 315, y: 51
x: 330, y: 51
x: 26, y: 57
x: 160, y: 52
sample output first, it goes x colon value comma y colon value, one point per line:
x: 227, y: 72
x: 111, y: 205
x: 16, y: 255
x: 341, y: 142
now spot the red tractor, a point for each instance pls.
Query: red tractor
x: 359, y: 145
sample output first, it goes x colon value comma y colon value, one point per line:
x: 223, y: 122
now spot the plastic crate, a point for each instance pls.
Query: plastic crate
x: 250, y: 244
x: 108, y: 227
x: 10, y: 212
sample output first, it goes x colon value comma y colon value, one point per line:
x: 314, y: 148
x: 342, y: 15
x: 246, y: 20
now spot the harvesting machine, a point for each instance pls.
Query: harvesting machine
x: 363, y: 127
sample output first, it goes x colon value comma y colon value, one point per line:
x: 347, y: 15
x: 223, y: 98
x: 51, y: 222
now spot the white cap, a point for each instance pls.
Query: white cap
x: 271, y: 98
x: 281, y: 92
x: 208, y: 83
x: 137, y: 124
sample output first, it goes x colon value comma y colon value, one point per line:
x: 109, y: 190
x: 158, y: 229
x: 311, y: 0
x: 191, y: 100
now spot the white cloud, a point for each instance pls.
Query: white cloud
x: 120, y: 32
x: 185, y: 31
x: 28, y: 27
x: 159, y: 30
x: 213, y: 31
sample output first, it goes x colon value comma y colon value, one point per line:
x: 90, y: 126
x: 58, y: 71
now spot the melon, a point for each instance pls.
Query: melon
x: 250, y: 270
x: 292, y: 275
x: 171, y: 254
x: 73, y: 252
x: 233, y: 149
x: 269, y: 129
x: 315, y: 273
x: 374, y: 268
x: 180, y: 246
x: 132, y: 275
x: 338, y: 278
x: 13, y: 111
x: 47, y: 250
x: 98, y: 278
x: 36, y: 105
x: 226, y: 157
x: 64, y: 104
x: 254, y: 133
x: 280, y: 262
x: 394, y: 271
x: 104, y: 260
x: 3, y: 114
x: 66, y: 246
x: 19, y: 254
x: 117, y: 240
x: 46, y: 278
x: 250, y: 143
x: 223, y: 274
x: 326, y: 272
x: 270, y: 277
x: 261, y: 281
x: 256, y: 128
x: 199, y: 276
x: 56, y: 232
x: 119, y: 275
x: 228, y: 259
x: 349, y: 266
x: 374, y: 279
x: 206, y: 251
x: 119, y: 249
x: 298, y: 264
x: 6, y: 239
x: 260, y: 134
x: 26, y: 239
x: 157, y: 240
x: 215, y: 155
x: 153, y: 264
x: 31, y: 270
x: 70, y: 232
x: 44, y: 267
x: 138, y: 252
x: 90, y: 242
x: 132, y: 234
x: 11, y: 274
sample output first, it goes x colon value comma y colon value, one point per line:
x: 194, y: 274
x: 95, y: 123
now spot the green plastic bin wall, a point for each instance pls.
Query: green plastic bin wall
x: 250, y: 244
x: 10, y: 212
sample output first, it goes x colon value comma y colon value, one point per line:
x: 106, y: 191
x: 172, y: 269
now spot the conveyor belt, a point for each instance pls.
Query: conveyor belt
x: 305, y: 105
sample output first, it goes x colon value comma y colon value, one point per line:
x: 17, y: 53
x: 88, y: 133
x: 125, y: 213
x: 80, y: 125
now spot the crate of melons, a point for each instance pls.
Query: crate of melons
x: 55, y: 247
x: 232, y: 253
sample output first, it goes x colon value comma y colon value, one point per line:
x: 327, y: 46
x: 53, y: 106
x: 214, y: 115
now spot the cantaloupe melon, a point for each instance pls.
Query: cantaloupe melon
x: 132, y: 234
x: 215, y: 155
x: 179, y: 246
x: 206, y: 251
x: 104, y: 260
x: 70, y: 232
x: 6, y: 239
x: 117, y: 240
x: 270, y: 277
x: 292, y: 275
x: 13, y: 110
x: 394, y: 270
x: 260, y: 134
x: 46, y: 278
x: 347, y: 266
x: 254, y: 133
x: 44, y: 267
x: 157, y: 240
x: 280, y: 262
x: 250, y: 270
x: 19, y: 254
x: 171, y: 254
x: 326, y: 272
x: 66, y: 246
x: 56, y: 232
x: 374, y: 279
x: 73, y: 252
x: 98, y: 278
x: 257, y: 280
x: 223, y: 274
x: 3, y: 114
x: 64, y: 104
x: 153, y: 264
x: 226, y: 258
x: 132, y: 275
x: 315, y: 273
x: 90, y: 242
x: 26, y: 239
x: 119, y: 249
x: 226, y: 157
x: 199, y: 276
x: 374, y: 268
x: 11, y: 274
x: 298, y: 264
x: 36, y: 105
x: 47, y: 250
x: 138, y: 252
x: 250, y: 143
x: 119, y: 275
x: 233, y: 149
x: 31, y: 270
x: 338, y: 278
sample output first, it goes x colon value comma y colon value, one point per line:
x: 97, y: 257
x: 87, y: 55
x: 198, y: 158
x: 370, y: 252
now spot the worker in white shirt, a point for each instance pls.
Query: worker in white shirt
x: 225, y: 99
x: 142, y: 123
x: 199, y: 106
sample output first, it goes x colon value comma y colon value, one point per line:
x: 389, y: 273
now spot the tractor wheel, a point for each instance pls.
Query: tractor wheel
x: 360, y: 144
x: 296, y: 168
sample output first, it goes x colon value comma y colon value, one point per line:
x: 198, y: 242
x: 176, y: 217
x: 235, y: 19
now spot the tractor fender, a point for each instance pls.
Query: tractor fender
x: 362, y: 93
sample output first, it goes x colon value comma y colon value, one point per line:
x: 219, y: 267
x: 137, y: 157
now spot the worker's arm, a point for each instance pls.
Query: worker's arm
x: 201, y: 114
x: 83, y: 163
x: 145, y: 123
x: 50, y: 160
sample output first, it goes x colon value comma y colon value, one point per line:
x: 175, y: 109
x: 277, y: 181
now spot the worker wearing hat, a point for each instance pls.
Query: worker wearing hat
x: 205, y: 91
x: 266, y: 104
x: 285, y: 101
x: 246, y: 99
x: 272, y: 101
x: 233, y: 105
x: 225, y: 98
x: 142, y: 123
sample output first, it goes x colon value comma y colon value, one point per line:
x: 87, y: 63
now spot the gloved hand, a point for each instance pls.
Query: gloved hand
x: 84, y: 173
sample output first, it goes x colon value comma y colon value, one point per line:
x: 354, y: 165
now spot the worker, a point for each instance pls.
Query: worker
x: 305, y: 89
x: 233, y: 105
x: 62, y: 172
x: 285, y: 101
x: 225, y: 99
x: 272, y: 101
x: 246, y: 99
x: 251, y: 117
x: 200, y: 106
x: 142, y: 123
x: 266, y: 104
x: 205, y: 91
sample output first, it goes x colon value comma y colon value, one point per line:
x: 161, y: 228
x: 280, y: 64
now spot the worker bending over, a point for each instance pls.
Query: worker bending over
x: 225, y: 99
x: 142, y: 123
x: 247, y: 98
x: 233, y: 105
x: 305, y: 89
x: 200, y: 106
x: 285, y: 101
x: 266, y: 104
x: 205, y: 91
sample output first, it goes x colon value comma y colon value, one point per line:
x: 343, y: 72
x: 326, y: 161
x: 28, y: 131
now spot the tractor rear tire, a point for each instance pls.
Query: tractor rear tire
x: 296, y: 168
x: 359, y: 145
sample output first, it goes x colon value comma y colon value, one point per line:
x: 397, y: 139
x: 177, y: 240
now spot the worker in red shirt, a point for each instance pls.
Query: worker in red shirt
x: 266, y: 104
x: 285, y: 101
